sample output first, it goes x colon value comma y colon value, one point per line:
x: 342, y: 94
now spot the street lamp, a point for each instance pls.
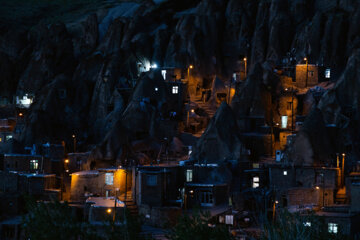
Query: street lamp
x: 274, y: 209
x: 323, y: 188
x: 343, y: 170
x: 307, y: 64
x: 188, y: 71
x: 74, y: 138
x: 245, y: 62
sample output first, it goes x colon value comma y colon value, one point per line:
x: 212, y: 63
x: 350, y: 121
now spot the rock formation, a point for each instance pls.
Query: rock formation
x: 93, y: 56
x: 220, y: 141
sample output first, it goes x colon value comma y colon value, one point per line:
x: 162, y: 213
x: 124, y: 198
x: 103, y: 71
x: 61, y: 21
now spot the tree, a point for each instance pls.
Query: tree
x: 196, y: 227
x: 294, y: 226
x: 55, y: 220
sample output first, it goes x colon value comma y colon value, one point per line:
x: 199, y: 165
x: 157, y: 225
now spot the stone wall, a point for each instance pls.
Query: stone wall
x: 309, y: 196
x: 160, y: 216
x: 301, y: 72
x: 355, y: 197
x: 93, y: 182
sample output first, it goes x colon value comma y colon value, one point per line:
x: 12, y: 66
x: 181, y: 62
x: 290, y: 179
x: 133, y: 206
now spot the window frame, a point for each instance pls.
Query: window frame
x: 151, y: 180
x: 109, y: 178
x: 189, y: 175
x: 333, y: 228
x: 34, y: 164
x: 175, y: 90
x: 256, y: 182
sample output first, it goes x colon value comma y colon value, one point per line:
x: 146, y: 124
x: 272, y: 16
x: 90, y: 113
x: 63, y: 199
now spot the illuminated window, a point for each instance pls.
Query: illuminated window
x: 34, y: 164
x: 285, y: 173
x: 189, y: 175
x: 234, y: 76
x: 256, y: 182
x: 151, y: 180
x: 289, y: 105
x: 332, y: 227
x: 175, y: 90
x: 163, y: 73
x: 8, y: 137
x: 307, y: 224
x: 327, y: 73
x: 189, y: 150
x: 229, y: 219
x: 109, y: 178
x: 284, y: 120
x: 0, y: 139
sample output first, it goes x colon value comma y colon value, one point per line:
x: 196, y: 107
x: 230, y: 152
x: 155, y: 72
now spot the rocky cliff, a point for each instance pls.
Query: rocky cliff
x: 92, y: 56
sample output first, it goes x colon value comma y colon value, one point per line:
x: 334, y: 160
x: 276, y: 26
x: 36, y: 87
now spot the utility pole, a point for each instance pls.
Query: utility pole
x: 292, y: 110
x: 343, y: 171
x: 125, y: 186
x: 74, y: 138
x: 323, y: 188
x: 188, y: 71
x: 307, y: 64
x: 245, y: 62
x: 229, y: 92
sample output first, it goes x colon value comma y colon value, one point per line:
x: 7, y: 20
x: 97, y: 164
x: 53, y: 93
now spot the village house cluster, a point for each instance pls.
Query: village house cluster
x: 261, y: 183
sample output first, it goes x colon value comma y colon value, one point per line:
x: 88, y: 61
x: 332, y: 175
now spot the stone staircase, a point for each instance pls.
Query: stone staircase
x: 129, y: 203
x: 208, y: 108
x: 340, y: 197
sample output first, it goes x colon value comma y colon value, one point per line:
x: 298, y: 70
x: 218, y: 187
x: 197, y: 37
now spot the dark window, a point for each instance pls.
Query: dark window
x: 151, y: 180
x: 205, y: 198
x: 289, y: 106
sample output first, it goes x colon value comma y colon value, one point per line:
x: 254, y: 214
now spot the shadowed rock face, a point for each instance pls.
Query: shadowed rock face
x: 211, y: 35
x: 140, y: 120
x: 333, y: 124
x: 220, y: 140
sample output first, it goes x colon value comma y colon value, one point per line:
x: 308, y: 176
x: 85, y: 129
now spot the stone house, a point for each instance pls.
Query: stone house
x: 77, y: 161
x: 158, y: 186
x: 102, y: 182
x: 54, y: 154
x: 306, y: 75
x: 295, y: 186
x: 24, y: 163
x: 157, y: 191
x: 178, y: 95
x: 14, y: 185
